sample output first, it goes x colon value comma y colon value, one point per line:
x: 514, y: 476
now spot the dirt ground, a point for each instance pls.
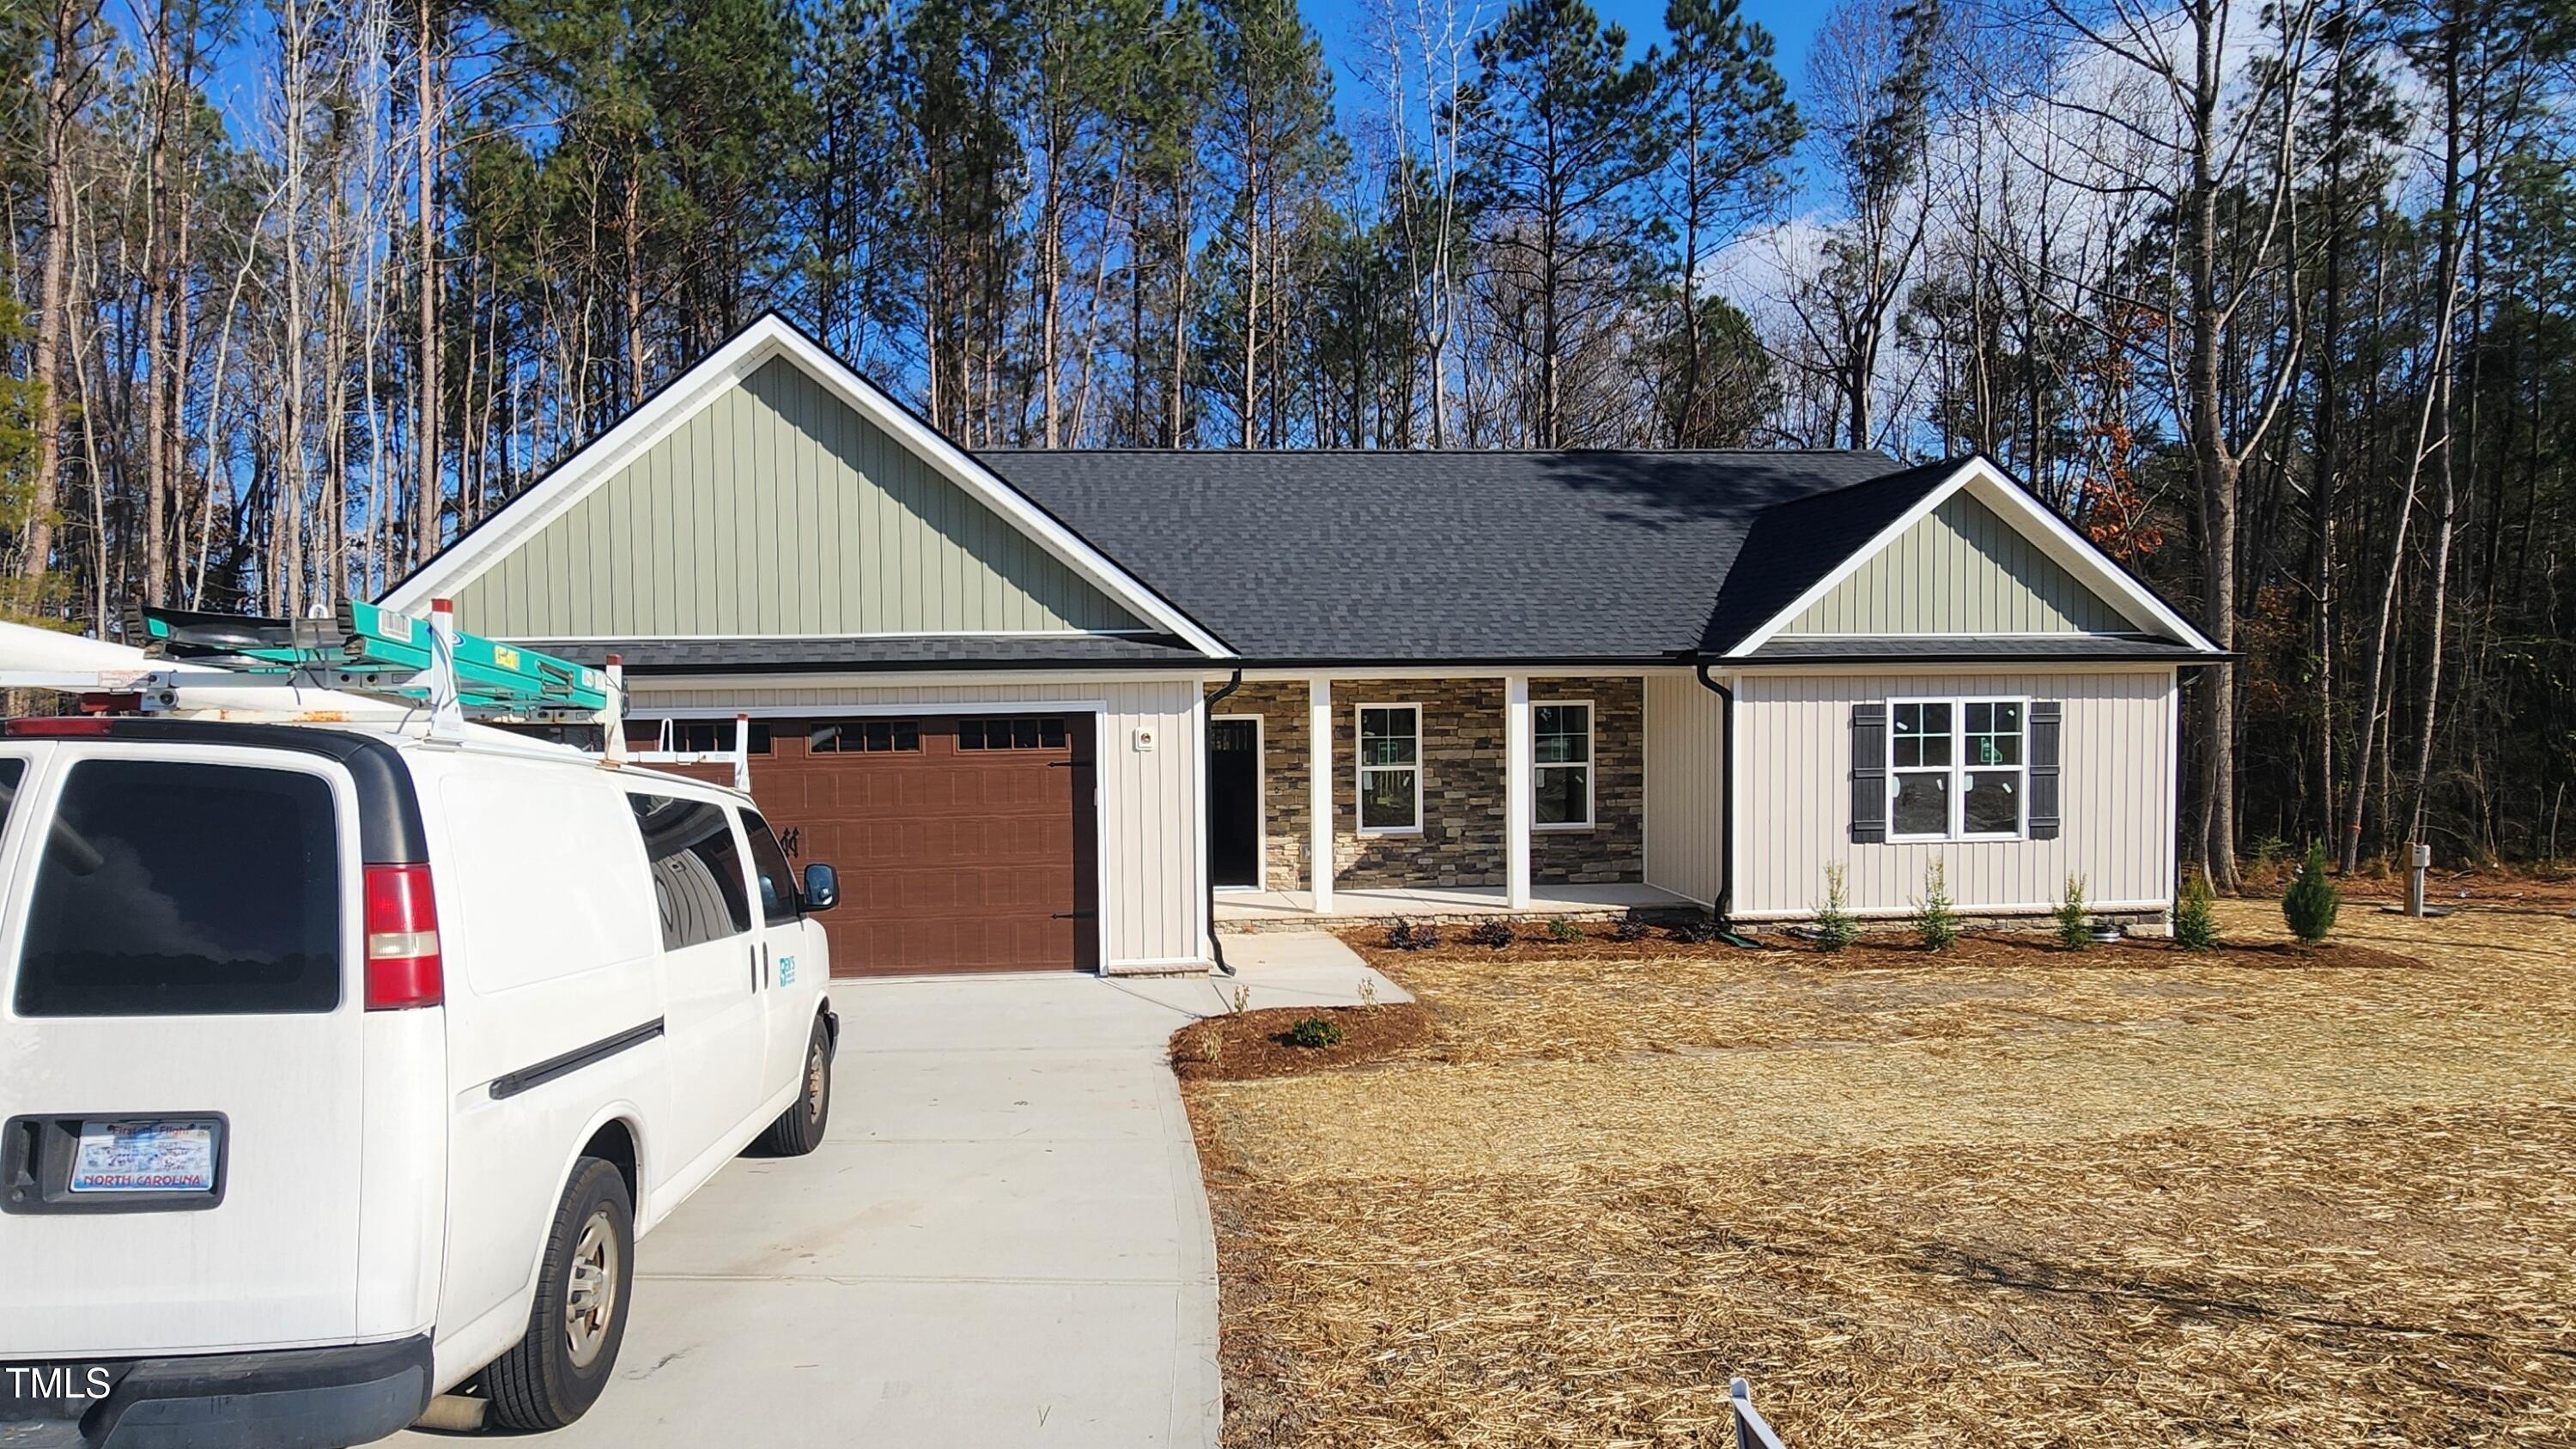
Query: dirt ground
x: 2019, y: 1197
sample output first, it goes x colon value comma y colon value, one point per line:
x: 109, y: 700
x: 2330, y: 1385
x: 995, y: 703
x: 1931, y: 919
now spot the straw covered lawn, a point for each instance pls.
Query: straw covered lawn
x: 2121, y: 1197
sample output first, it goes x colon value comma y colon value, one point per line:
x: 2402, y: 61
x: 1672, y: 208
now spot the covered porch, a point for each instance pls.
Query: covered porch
x: 1432, y: 794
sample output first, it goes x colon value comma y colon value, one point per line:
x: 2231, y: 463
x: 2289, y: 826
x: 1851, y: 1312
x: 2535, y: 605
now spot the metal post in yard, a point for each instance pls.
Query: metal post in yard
x: 1752, y: 1431
x: 2419, y: 859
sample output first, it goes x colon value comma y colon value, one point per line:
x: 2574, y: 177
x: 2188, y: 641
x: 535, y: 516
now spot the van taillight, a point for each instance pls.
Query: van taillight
x: 402, y: 939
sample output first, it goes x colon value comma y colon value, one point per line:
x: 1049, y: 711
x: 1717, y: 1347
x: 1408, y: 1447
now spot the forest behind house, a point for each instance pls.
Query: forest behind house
x: 2272, y: 300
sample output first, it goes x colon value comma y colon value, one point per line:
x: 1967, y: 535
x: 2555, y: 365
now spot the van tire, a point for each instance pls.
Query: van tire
x: 540, y: 1384
x: 799, y: 1129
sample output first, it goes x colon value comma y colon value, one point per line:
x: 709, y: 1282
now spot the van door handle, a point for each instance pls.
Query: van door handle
x: 759, y: 966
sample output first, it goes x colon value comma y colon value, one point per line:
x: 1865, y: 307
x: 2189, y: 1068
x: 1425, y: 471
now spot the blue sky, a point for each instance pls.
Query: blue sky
x: 1791, y: 23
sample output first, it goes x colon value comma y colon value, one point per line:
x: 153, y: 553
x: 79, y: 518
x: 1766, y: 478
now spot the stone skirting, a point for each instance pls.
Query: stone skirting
x: 1461, y: 839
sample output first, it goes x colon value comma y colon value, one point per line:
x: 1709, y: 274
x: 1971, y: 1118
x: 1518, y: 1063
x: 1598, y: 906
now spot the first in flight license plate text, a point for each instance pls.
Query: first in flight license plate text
x: 160, y: 1155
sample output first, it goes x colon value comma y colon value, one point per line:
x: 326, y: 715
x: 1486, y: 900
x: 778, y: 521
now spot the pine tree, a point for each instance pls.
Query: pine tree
x: 1559, y: 132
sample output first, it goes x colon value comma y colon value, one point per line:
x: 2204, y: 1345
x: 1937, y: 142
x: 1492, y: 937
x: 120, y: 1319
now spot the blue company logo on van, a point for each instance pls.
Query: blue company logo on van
x: 786, y: 970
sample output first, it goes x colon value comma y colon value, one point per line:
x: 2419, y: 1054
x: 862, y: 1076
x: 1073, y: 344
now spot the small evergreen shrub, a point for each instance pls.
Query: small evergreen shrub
x: 2195, y: 925
x: 1695, y: 931
x: 1631, y: 928
x: 1936, y: 919
x: 2309, y: 905
x: 1491, y: 931
x: 1314, y: 1033
x: 2073, y: 931
x: 1835, y: 927
x: 1562, y: 929
x: 1412, y: 936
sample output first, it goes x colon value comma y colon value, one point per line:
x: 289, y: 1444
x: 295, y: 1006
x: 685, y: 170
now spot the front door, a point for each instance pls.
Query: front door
x: 1234, y: 802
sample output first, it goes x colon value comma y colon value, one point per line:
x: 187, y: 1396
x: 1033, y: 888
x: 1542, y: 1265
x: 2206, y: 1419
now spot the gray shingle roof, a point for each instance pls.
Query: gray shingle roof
x: 1400, y: 557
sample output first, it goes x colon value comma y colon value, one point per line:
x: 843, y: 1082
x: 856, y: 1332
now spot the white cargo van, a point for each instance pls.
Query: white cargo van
x: 341, y: 1067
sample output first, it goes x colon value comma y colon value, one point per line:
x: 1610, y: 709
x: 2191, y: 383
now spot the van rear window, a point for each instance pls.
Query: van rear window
x: 175, y: 889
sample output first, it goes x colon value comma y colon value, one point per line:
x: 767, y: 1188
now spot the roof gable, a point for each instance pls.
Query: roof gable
x: 769, y: 491
x: 1960, y: 569
x: 1960, y: 550
x: 775, y: 510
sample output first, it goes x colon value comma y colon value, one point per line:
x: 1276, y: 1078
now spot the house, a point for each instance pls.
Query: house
x: 1081, y: 709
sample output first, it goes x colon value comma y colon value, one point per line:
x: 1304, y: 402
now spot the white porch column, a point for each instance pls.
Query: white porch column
x: 1517, y: 746
x: 1319, y: 784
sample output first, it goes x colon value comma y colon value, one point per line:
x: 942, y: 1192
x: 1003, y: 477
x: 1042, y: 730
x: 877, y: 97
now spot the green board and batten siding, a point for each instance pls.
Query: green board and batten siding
x: 1960, y: 570
x: 776, y: 510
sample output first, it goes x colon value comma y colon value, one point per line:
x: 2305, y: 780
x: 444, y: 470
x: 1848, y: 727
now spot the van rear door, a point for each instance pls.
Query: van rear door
x: 181, y: 1049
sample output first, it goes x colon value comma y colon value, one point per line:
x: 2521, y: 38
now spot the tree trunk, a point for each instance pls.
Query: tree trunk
x: 2215, y: 470
x: 70, y: 22
x: 424, y: 527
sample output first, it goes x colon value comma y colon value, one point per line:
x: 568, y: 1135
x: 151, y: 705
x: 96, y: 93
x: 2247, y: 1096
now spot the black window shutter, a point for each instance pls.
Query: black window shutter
x: 2047, y: 722
x: 1869, y: 774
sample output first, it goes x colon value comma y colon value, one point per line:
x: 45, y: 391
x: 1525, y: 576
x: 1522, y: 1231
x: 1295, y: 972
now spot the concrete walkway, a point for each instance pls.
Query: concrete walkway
x: 1002, y: 1241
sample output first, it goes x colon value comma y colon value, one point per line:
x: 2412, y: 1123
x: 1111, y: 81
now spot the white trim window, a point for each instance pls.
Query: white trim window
x: 1390, y: 769
x: 1561, y: 765
x: 1957, y: 769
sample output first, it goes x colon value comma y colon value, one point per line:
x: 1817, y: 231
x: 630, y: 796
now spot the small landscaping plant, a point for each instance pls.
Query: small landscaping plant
x: 2196, y: 913
x: 1631, y: 928
x: 1562, y: 929
x: 2073, y: 931
x: 2309, y: 905
x: 1314, y: 1033
x: 1492, y: 932
x: 1412, y: 936
x: 1693, y: 932
x: 1835, y: 926
x: 1936, y: 919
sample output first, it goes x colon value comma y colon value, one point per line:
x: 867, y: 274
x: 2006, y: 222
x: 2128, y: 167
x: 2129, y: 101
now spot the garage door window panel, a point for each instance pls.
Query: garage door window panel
x: 865, y: 737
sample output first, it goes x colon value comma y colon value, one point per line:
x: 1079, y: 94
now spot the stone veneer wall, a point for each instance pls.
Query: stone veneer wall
x: 1461, y: 843
x: 1614, y: 849
x: 1287, y: 801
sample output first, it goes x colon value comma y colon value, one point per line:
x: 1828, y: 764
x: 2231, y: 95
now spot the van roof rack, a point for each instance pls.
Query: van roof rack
x: 369, y: 649
x: 231, y: 662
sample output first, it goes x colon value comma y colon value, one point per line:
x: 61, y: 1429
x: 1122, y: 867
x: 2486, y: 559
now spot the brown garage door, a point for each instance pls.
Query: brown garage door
x: 964, y: 843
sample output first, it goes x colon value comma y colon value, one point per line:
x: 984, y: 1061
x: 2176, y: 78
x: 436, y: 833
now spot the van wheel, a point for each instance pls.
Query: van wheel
x: 799, y: 1129
x: 556, y: 1372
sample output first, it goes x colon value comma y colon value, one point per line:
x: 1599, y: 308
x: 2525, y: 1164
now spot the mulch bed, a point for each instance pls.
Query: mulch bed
x: 1250, y: 1044
x: 1890, y: 951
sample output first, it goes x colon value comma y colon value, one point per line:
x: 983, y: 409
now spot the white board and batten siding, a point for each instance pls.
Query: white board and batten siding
x: 1153, y: 893
x: 1685, y: 784
x: 1793, y: 773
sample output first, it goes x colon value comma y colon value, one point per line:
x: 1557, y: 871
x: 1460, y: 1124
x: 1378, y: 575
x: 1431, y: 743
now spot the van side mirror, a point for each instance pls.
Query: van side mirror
x: 822, y: 887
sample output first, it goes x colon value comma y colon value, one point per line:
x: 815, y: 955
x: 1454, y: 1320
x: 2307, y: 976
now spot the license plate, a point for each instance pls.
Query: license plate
x: 157, y: 1155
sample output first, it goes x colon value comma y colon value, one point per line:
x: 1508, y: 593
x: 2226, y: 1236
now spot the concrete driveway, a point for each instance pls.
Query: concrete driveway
x: 1002, y: 1241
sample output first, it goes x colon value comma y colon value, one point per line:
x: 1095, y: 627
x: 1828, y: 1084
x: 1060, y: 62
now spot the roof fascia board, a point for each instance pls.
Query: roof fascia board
x: 2072, y: 551
x: 1896, y: 668
x: 740, y: 682
x: 769, y: 337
